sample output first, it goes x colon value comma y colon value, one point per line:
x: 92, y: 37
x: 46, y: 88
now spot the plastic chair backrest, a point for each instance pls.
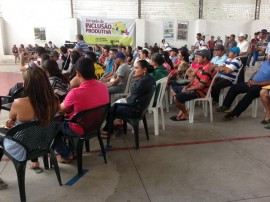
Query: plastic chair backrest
x: 91, y: 119
x: 237, y: 75
x: 208, y: 94
x: 127, y: 89
x: 161, y: 84
x: 33, y: 137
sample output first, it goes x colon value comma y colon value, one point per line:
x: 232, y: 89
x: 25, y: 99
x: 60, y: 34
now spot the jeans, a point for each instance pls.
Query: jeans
x: 60, y: 146
x: 255, y: 55
x: 219, y: 84
x: 236, y: 89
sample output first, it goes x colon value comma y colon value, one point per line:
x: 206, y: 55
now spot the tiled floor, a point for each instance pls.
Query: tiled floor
x: 199, y: 162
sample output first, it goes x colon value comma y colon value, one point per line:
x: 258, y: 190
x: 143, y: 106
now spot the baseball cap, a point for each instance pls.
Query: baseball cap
x: 219, y: 47
x: 235, y: 50
x: 241, y: 34
x: 54, y: 54
x: 205, y: 53
x: 120, y: 55
x: 264, y: 31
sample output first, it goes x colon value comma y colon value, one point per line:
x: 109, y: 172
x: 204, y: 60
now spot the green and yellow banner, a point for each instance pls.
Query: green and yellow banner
x: 108, y: 31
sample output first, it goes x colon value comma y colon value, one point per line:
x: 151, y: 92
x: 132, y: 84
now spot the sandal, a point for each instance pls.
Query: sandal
x: 35, y: 167
x: 3, y: 185
x: 60, y: 159
x: 178, y: 119
x: 265, y: 121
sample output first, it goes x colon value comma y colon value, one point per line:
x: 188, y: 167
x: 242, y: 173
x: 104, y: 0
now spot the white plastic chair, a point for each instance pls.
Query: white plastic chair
x: 127, y: 89
x: 162, y: 83
x: 207, y: 99
x: 222, y: 92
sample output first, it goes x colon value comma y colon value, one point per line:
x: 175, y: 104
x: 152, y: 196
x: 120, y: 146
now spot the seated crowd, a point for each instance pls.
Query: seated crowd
x: 70, y: 80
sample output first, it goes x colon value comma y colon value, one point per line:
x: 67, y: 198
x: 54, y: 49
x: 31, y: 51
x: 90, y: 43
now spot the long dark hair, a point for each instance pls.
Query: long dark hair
x: 52, y: 68
x: 184, y: 53
x: 167, y: 59
x: 145, y: 64
x: 40, y: 93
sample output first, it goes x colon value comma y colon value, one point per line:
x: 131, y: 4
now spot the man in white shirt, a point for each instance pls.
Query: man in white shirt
x: 243, y: 46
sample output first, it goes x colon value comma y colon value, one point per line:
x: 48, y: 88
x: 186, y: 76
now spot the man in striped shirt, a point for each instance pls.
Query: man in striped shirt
x: 80, y: 43
x: 227, y: 73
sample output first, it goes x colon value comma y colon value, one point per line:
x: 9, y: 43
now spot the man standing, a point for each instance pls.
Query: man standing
x: 211, y: 45
x: 80, y: 43
x: 251, y: 88
x: 253, y: 53
x: 261, y: 46
x: 243, y: 46
x: 231, y: 43
x: 15, y: 52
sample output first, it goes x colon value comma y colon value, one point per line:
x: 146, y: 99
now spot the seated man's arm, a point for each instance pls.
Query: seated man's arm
x: 63, y: 108
x: 116, y: 81
x: 226, y: 70
x: 67, y: 105
x: 256, y: 83
x: 75, y: 82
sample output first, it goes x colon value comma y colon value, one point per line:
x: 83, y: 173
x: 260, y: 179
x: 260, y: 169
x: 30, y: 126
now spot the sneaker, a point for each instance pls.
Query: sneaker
x: 222, y: 109
x: 229, y: 117
x: 3, y: 185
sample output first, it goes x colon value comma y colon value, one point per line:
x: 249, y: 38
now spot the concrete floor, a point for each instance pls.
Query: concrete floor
x: 199, y: 162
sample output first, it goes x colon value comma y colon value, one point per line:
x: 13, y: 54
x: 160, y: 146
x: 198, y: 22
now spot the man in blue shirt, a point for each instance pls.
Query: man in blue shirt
x: 251, y: 88
x: 220, y: 57
x: 80, y: 43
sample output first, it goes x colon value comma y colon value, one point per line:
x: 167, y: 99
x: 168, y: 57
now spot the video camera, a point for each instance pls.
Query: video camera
x: 69, y: 44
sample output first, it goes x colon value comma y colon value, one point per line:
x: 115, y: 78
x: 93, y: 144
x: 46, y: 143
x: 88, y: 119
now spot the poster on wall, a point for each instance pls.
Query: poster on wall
x: 168, y: 27
x: 182, y: 30
x: 40, y: 34
x: 108, y: 31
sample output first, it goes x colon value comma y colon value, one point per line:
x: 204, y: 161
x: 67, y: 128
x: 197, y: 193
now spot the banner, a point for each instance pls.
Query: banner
x: 168, y: 29
x: 108, y: 31
x: 182, y: 30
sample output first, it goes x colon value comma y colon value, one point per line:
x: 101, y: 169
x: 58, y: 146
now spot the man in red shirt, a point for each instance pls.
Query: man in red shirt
x: 211, y: 45
x: 197, y: 88
x: 252, y: 49
x: 90, y: 94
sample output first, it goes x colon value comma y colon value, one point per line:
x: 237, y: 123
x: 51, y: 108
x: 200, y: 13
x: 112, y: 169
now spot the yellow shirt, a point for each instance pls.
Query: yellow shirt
x: 98, y: 71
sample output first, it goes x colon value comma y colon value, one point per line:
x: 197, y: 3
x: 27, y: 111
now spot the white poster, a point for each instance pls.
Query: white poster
x: 182, y: 30
x: 168, y: 29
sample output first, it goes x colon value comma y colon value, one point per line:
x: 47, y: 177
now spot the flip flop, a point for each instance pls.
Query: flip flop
x: 179, y: 119
x: 265, y: 121
x: 37, y: 170
x: 173, y: 117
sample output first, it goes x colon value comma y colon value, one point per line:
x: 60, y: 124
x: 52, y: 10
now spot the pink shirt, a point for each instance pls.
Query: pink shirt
x: 89, y: 94
x: 167, y: 66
